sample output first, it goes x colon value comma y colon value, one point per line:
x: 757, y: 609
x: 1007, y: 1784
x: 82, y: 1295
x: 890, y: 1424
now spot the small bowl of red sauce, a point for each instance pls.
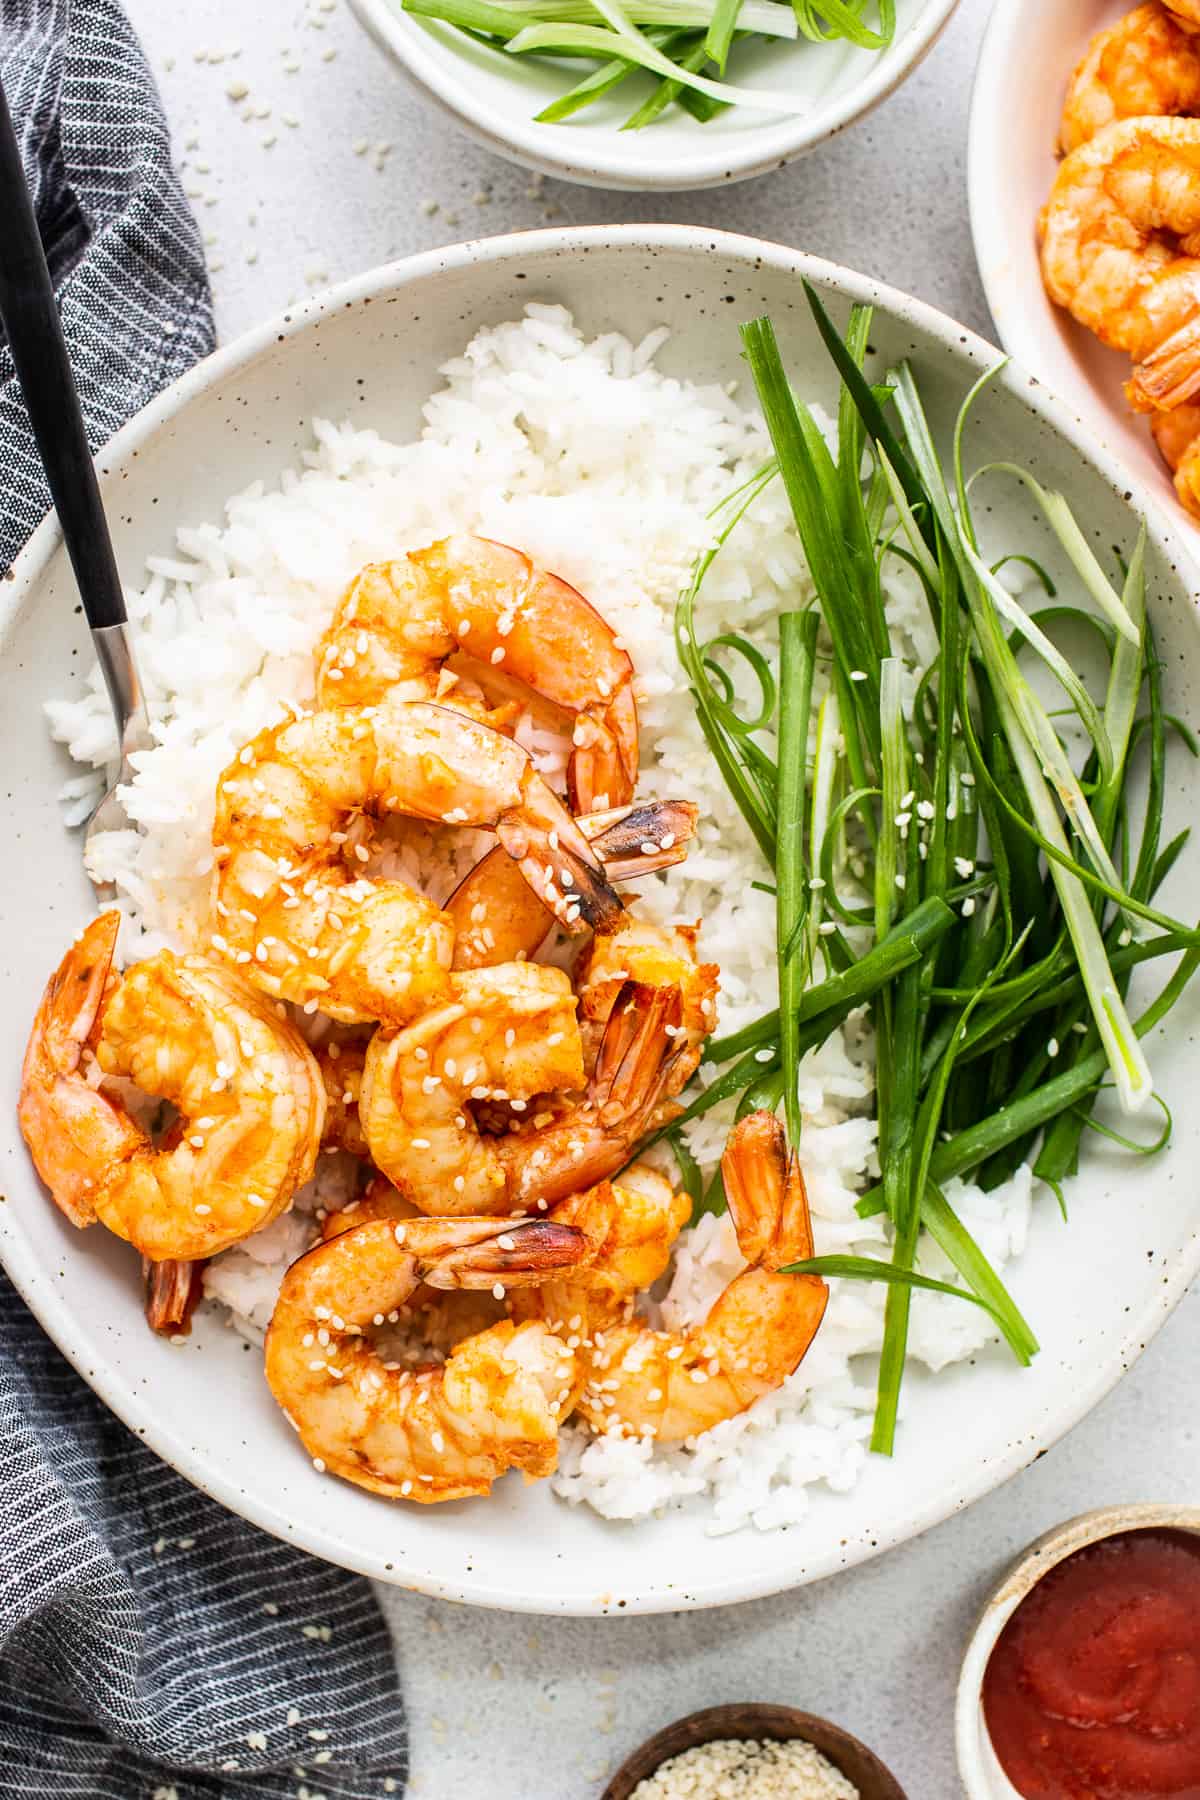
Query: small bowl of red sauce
x: 1082, y: 1681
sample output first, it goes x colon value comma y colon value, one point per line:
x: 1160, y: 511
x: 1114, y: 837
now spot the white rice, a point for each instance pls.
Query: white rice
x: 604, y: 470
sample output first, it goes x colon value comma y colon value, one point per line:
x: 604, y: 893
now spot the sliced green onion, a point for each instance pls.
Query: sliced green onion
x: 596, y: 40
x: 797, y: 644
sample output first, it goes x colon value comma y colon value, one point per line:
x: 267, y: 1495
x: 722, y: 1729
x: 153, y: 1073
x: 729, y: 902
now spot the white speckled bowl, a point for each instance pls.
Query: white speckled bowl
x: 1095, y: 1291
x: 1028, y: 54
x: 982, y: 1776
x: 494, y: 97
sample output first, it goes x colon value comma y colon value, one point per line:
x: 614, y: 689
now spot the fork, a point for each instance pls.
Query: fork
x: 30, y: 316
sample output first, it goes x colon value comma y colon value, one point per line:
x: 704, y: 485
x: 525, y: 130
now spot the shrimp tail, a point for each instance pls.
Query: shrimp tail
x: 764, y: 1185
x: 1170, y: 375
x: 515, y: 1253
x: 637, y: 840
x: 559, y: 863
x: 172, y: 1291
x: 637, y: 1052
x: 605, y: 765
x: 70, y: 1127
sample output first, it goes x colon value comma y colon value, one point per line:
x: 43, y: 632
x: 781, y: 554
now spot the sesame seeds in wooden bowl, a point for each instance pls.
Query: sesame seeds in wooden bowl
x: 749, y: 1721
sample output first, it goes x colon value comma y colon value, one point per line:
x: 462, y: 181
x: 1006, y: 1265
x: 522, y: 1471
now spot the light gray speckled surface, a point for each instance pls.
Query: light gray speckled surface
x: 513, y: 1708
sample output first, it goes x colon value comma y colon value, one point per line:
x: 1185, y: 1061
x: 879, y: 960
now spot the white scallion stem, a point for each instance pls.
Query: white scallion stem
x: 904, y: 512
x: 1015, y: 614
x: 824, y: 778
x: 1126, y: 1059
x: 893, y: 784
x: 1062, y: 522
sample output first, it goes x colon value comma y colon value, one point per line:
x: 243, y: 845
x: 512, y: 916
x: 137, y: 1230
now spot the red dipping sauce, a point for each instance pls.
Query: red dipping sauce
x: 1093, y: 1689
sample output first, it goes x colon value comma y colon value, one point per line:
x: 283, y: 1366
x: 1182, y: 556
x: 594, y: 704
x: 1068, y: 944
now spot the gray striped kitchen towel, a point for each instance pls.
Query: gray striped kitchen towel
x: 122, y: 245
x: 152, y: 1645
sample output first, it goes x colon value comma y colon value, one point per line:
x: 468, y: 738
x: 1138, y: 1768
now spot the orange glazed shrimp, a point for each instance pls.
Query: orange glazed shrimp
x: 486, y: 605
x: 671, y: 1385
x: 414, y: 1108
x: 442, y: 1433
x: 1118, y: 250
x: 193, y: 1033
x: 1146, y: 65
x: 294, y: 908
x: 506, y: 1033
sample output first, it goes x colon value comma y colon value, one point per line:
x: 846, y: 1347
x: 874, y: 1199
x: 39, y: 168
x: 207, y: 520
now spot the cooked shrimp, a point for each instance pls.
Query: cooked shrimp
x: 490, y: 608
x: 414, y: 1108
x: 1177, y: 434
x: 434, y: 1434
x: 672, y: 1385
x: 296, y: 911
x: 1146, y: 65
x: 1118, y: 249
x: 189, y: 1032
x: 497, y: 916
x: 504, y: 1033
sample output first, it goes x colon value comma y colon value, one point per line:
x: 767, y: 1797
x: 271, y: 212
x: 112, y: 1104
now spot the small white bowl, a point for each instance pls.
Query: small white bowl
x: 494, y: 97
x: 978, y: 1764
x: 1029, y: 53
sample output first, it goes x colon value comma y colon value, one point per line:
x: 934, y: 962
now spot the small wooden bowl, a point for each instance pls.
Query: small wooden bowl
x: 749, y: 1720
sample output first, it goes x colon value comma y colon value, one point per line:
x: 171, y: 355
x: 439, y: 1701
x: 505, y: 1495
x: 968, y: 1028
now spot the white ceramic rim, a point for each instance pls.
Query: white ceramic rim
x: 28, y: 1275
x: 1005, y: 17
x: 716, y: 162
x: 980, y: 1782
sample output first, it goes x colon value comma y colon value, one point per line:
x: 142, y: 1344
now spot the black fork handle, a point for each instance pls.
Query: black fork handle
x: 39, y: 351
